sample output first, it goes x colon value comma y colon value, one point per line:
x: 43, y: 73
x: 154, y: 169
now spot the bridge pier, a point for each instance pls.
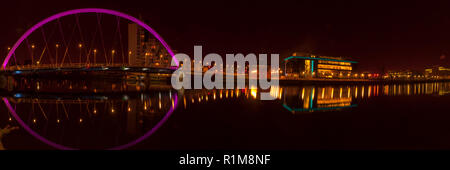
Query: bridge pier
x: 6, y: 82
x: 3, y: 81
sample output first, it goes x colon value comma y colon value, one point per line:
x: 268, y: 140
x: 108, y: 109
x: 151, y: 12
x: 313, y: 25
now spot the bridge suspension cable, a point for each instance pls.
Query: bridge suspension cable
x: 56, y: 46
x: 99, y: 26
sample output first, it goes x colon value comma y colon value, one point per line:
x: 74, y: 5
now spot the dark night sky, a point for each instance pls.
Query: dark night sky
x: 397, y: 35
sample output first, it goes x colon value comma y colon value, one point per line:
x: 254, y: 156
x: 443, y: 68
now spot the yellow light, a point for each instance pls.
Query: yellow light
x: 129, y: 109
x: 9, y: 48
x: 323, y: 93
x: 362, y: 92
x: 334, y: 67
x: 57, y: 45
x: 253, y: 92
x: 95, y: 50
x: 34, y: 120
x: 112, y: 110
x: 10, y: 119
x: 334, y: 101
x: 32, y: 46
x: 57, y: 121
x: 303, y: 93
x: 81, y: 120
x: 332, y: 92
x: 313, y: 92
x: 113, y: 51
x: 95, y: 111
x: 80, y: 45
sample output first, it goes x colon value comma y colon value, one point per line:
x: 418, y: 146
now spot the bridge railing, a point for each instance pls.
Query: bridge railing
x: 56, y: 66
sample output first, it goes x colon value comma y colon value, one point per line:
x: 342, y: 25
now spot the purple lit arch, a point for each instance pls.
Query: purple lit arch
x: 80, y: 11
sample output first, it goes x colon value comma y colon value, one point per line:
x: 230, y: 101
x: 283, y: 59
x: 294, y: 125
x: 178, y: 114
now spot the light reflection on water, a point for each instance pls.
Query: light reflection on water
x: 95, y: 120
x: 320, y: 98
x: 91, y: 121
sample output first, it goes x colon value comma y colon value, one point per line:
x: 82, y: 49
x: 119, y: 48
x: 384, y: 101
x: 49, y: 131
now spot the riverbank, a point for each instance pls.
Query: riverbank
x: 353, y: 81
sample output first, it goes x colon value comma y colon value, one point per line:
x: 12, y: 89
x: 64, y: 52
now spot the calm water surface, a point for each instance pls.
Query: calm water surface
x: 74, y: 114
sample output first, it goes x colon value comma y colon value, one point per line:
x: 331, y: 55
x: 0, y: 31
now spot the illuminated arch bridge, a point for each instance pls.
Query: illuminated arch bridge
x: 89, y: 40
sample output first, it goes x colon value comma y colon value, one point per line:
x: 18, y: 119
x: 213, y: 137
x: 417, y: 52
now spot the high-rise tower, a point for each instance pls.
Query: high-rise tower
x: 145, y: 51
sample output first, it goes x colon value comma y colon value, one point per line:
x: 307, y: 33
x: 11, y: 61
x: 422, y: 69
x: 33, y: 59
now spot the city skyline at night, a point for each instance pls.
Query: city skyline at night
x: 377, y: 35
x: 224, y: 83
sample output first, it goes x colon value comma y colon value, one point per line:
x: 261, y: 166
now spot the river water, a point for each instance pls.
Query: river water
x: 377, y: 116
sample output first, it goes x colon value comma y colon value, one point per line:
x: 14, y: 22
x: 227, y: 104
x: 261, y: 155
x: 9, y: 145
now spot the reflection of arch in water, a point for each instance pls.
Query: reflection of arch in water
x: 62, y: 147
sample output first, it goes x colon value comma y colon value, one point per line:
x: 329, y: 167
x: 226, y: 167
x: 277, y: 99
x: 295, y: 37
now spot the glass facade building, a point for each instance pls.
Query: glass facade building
x: 145, y: 51
x: 310, y: 66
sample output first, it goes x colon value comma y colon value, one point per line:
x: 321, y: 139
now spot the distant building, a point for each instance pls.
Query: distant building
x: 145, y: 51
x: 437, y: 72
x: 407, y: 74
x: 310, y: 65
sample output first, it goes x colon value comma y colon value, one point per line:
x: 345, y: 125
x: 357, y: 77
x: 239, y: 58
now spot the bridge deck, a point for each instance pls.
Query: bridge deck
x: 15, y: 70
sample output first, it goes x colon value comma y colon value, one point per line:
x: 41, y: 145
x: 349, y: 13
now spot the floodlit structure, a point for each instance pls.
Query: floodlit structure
x: 437, y: 72
x: 145, y: 51
x: 310, y: 65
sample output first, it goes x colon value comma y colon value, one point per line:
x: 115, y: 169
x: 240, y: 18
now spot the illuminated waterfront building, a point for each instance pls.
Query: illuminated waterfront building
x: 145, y: 51
x: 399, y: 75
x: 437, y: 72
x: 309, y: 65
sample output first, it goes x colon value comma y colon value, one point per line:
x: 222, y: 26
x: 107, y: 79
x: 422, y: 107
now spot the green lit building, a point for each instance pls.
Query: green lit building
x: 315, y: 66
